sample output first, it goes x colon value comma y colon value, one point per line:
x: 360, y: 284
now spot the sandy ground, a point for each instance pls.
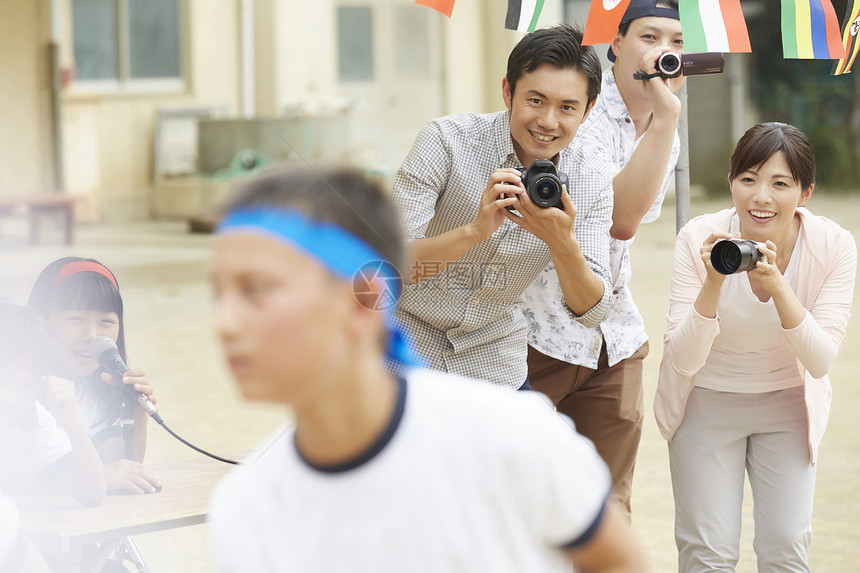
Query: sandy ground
x: 163, y: 272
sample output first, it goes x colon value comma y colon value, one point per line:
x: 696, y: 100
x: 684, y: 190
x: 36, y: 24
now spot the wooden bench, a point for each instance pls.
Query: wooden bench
x: 41, y: 207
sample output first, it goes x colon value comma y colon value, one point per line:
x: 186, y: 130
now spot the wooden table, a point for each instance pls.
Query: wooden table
x: 40, y: 207
x: 66, y: 532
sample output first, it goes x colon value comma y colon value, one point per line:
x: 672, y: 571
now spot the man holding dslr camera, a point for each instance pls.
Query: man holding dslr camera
x: 477, y: 238
x: 594, y: 375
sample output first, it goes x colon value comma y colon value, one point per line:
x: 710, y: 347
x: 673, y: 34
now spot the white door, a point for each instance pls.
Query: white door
x: 389, y: 54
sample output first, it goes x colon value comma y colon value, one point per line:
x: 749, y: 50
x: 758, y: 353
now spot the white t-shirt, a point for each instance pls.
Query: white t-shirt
x: 751, y: 354
x: 467, y: 477
x: 27, y: 451
x: 10, y: 533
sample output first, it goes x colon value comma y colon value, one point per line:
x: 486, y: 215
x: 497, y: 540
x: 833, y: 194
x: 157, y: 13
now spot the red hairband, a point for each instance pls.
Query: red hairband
x: 76, y: 267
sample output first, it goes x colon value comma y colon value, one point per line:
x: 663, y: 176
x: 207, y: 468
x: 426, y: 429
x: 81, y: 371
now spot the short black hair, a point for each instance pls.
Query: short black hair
x: 560, y: 46
x: 342, y: 196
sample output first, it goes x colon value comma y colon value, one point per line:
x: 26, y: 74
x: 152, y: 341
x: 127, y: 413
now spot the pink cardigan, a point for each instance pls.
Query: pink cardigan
x: 825, y: 287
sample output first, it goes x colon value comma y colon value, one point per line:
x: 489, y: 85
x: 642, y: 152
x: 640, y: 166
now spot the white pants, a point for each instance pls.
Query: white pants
x: 722, y: 433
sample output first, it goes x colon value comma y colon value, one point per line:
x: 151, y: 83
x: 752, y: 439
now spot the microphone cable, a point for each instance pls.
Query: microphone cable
x: 104, y: 351
x: 150, y: 409
x: 190, y: 445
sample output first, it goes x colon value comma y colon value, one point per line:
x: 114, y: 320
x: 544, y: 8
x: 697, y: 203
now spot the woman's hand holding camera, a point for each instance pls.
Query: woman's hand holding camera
x: 714, y: 277
x: 767, y: 272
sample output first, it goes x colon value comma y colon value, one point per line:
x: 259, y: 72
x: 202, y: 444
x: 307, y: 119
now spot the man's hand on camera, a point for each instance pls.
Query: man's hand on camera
x: 661, y: 91
x: 501, y: 191
x: 551, y: 225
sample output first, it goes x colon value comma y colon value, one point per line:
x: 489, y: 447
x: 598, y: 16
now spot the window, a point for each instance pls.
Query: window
x: 355, y: 43
x: 127, y: 44
x: 411, y: 58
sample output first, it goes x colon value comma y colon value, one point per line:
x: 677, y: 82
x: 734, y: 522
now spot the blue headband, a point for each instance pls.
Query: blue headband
x: 339, y: 251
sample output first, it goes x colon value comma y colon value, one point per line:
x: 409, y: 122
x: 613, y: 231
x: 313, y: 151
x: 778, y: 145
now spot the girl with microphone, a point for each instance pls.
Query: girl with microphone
x: 44, y: 444
x: 80, y: 301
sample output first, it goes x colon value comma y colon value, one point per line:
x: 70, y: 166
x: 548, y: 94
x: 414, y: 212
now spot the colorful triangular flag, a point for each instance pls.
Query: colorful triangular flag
x: 810, y: 30
x: 713, y: 26
x: 523, y: 15
x: 443, y: 6
x: 602, y: 22
x: 850, y: 38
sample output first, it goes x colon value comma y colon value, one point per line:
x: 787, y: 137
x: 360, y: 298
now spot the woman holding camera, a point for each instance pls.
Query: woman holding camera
x: 743, y: 382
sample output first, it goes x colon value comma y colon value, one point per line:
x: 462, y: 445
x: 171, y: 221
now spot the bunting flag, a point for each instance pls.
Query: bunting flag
x: 713, y: 26
x: 523, y: 15
x: 443, y: 6
x: 810, y: 30
x: 850, y: 39
x: 602, y: 22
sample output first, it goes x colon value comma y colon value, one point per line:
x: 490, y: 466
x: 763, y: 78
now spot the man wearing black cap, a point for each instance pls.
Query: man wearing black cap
x: 594, y: 375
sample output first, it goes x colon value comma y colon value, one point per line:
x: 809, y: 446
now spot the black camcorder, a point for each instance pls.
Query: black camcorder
x: 731, y: 256
x: 673, y: 64
x: 543, y: 183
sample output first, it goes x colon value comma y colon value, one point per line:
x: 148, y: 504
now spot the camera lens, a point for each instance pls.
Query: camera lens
x: 735, y: 256
x: 669, y: 65
x: 545, y: 191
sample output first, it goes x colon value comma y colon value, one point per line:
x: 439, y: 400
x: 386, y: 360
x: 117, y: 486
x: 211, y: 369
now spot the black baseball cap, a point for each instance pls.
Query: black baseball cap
x: 642, y: 9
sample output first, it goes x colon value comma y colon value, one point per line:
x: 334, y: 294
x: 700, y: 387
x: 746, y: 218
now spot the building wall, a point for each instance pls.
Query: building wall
x: 719, y: 112
x: 26, y: 155
x: 108, y: 138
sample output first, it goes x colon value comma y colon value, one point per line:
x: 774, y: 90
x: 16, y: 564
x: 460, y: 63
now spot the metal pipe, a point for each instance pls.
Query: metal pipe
x: 247, y: 47
x: 682, y: 169
x: 56, y: 94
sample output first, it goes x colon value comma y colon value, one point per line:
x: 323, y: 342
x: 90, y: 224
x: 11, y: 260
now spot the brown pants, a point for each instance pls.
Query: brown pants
x: 607, y: 405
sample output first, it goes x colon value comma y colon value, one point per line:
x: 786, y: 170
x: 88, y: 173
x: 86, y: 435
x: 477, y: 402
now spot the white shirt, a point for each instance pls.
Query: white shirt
x: 29, y: 449
x: 10, y: 535
x: 609, y: 133
x: 751, y: 354
x: 467, y: 478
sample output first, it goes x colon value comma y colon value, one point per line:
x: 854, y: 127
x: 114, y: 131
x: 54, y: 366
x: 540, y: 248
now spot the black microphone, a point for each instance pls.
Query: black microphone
x: 104, y: 351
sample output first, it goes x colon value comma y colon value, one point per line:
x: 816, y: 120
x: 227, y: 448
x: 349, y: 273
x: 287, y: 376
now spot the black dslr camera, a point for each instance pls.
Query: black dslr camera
x: 731, y: 256
x: 543, y: 183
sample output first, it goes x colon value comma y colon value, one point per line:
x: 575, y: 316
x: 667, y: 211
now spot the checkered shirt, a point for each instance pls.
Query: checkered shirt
x: 466, y: 319
x: 609, y: 134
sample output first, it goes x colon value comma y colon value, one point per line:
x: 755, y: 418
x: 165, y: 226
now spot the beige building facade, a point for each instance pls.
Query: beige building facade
x: 343, y: 80
x: 249, y: 60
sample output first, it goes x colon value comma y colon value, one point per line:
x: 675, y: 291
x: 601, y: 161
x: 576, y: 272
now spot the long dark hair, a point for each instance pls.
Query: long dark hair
x: 87, y: 287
